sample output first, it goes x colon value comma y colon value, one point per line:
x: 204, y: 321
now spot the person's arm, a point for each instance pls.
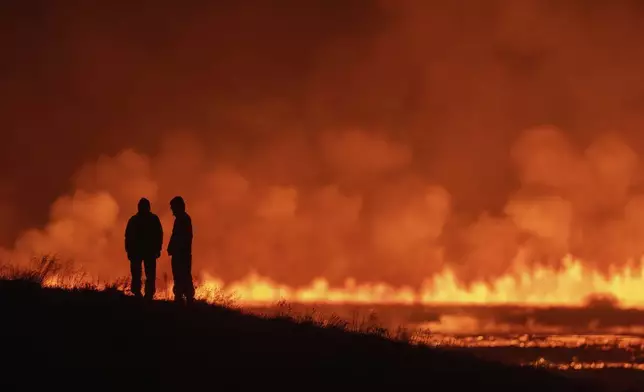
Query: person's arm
x: 159, y: 235
x: 186, y: 234
x: 181, y: 235
x: 128, y: 236
x: 173, y: 238
x: 188, y: 231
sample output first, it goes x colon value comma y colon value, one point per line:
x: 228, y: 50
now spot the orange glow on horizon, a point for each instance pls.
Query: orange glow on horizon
x: 541, y: 287
x: 570, y: 286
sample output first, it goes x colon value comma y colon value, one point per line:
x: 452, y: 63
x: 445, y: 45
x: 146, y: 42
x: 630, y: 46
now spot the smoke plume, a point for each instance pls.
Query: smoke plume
x: 380, y: 140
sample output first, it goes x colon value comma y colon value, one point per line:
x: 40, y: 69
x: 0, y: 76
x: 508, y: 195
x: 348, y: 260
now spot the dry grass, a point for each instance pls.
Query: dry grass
x: 360, y: 323
x: 38, y: 271
x: 50, y: 271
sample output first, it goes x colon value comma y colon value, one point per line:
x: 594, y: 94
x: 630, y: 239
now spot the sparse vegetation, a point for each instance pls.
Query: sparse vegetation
x: 37, y: 271
x: 98, y: 325
x: 49, y: 271
x: 360, y: 323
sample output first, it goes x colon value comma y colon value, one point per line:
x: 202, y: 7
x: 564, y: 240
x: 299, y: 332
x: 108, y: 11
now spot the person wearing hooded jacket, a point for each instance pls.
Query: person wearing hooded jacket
x: 143, y: 245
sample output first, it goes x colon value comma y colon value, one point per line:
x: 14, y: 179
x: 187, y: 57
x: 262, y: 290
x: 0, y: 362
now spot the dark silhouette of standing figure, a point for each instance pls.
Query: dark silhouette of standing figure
x: 143, y: 245
x: 180, y: 250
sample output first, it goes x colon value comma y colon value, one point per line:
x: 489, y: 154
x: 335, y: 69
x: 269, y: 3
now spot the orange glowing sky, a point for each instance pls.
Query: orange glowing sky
x: 395, y: 143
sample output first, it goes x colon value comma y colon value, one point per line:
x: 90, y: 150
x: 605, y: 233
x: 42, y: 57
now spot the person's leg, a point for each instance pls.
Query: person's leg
x: 189, y: 287
x: 150, y: 277
x: 176, y: 276
x: 135, y: 275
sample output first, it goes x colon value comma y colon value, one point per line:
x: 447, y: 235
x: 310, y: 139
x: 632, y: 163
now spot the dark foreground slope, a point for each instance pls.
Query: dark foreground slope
x: 115, y: 339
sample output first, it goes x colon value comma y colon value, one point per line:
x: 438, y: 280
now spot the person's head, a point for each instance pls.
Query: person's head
x: 144, y: 206
x: 177, y: 205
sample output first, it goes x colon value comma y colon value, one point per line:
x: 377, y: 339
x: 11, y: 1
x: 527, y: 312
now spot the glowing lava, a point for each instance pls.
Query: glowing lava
x: 572, y: 286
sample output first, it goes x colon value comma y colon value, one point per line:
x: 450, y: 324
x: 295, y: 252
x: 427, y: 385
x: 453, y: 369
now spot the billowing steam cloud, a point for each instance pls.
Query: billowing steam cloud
x: 383, y: 141
x: 374, y: 217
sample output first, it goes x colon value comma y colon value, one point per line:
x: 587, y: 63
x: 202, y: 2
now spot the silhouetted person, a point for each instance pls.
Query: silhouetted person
x: 180, y: 249
x: 143, y: 245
